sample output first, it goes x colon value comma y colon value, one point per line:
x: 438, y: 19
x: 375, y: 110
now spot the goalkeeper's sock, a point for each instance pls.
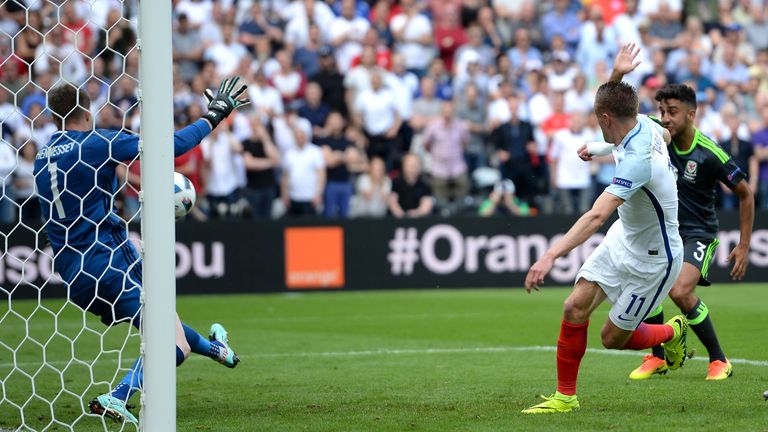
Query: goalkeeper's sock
x: 131, y: 382
x: 656, y: 317
x: 701, y: 323
x: 649, y: 335
x: 199, y: 344
x: 571, y: 346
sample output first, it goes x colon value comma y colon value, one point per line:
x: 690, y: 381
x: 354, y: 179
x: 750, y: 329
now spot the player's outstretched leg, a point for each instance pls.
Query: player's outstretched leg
x: 220, y: 338
x: 701, y: 324
x: 653, y: 363
x: 114, y: 405
x: 215, y: 347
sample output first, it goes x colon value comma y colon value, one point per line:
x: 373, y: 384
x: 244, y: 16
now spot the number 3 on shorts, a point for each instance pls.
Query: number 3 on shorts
x: 700, y: 251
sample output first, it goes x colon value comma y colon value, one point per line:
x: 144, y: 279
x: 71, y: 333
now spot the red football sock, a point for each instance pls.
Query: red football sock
x: 571, y: 346
x: 649, y: 335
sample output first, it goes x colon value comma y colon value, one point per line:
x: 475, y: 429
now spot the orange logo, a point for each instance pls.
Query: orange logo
x: 314, y: 257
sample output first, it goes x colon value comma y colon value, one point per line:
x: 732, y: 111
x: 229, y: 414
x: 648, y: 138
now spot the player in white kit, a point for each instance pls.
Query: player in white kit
x: 640, y: 257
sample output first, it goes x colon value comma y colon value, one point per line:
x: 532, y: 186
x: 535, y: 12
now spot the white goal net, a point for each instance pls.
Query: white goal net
x: 54, y: 356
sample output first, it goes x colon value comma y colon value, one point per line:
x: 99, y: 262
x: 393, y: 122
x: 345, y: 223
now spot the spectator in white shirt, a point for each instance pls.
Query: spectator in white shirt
x: 221, y: 152
x: 372, y: 191
x: 571, y: 177
x: 413, y: 36
x: 346, y: 34
x: 303, y: 181
x: 376, y: 113
x: 227, y: 53
x: 265, y: 99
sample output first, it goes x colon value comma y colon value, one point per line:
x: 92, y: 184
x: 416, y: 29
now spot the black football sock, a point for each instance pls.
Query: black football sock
x: 701, y: 323
x: 656, y: 317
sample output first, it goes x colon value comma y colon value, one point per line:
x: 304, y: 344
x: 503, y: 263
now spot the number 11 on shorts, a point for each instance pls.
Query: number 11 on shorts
x: 635, y: 298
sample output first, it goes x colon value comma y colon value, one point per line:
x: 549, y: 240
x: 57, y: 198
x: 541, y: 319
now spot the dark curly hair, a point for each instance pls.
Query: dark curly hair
x: 681, y: 92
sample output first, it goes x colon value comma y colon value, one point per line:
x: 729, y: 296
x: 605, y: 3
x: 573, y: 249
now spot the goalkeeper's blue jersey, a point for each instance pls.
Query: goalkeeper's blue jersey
x: 76, y: 184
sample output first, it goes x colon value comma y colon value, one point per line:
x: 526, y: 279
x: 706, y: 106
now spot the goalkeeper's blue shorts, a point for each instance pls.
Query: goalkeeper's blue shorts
x: 114, y: 295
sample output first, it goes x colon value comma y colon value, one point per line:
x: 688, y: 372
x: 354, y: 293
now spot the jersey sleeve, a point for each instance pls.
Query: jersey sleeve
x: 187, y: 138
x: 727, y: 171
x: 632, y: 173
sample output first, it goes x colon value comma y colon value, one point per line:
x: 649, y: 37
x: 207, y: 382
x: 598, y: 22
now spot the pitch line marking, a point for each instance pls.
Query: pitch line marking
x: 414, y: 351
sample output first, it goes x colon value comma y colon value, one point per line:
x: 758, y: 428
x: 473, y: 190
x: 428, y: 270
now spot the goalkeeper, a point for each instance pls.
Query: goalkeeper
x: 76, y: 183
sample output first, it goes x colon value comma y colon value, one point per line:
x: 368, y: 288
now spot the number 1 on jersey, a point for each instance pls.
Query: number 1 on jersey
x: 54, y: 171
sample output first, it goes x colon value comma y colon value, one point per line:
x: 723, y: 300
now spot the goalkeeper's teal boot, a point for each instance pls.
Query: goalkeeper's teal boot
x: 113, y: 408
x: 227, y: 355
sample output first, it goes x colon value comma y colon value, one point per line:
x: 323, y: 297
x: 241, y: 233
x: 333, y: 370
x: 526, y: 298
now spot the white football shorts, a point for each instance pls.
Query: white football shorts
x: 634, y: 287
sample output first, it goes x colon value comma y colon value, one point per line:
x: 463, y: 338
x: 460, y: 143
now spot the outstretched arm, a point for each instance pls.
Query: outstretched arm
x: 587, y: 225
x: 625, y: 61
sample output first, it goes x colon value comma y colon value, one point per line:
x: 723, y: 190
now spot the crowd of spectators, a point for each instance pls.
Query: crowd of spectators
x: 404, y: 108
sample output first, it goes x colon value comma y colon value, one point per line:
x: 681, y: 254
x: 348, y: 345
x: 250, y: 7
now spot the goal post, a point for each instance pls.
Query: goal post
x: 157, y: 216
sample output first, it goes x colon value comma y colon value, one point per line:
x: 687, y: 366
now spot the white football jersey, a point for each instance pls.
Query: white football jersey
x: 645, y: 179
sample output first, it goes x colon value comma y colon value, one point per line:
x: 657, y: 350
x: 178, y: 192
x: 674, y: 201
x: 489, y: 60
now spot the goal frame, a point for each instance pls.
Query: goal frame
x: 157, y: 217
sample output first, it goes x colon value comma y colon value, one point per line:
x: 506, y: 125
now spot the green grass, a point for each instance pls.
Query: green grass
x: 393, y: 361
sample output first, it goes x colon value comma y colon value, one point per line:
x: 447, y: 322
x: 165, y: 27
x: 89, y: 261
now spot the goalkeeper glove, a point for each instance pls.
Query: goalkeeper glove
x: 225, y: 101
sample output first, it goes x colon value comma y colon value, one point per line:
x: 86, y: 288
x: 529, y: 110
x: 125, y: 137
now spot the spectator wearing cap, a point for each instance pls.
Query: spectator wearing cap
x: 307, y: 57
x: 563, y: 21
x: 261, y: 158
x: 313, y: 108
x: 338, y: 153
x: 303, y: 177
x: 515, y: 145
x: 265, y: 99
x: 446, y: 138
x: 729, y: 69
x: 411, y: 196
x: 376, y: 113
x: 346, y: 34
x: 331, y: 81
x: 412, y: 32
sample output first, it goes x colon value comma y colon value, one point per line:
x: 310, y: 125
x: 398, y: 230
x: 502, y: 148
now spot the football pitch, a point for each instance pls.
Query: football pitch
x: 434, y: 360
